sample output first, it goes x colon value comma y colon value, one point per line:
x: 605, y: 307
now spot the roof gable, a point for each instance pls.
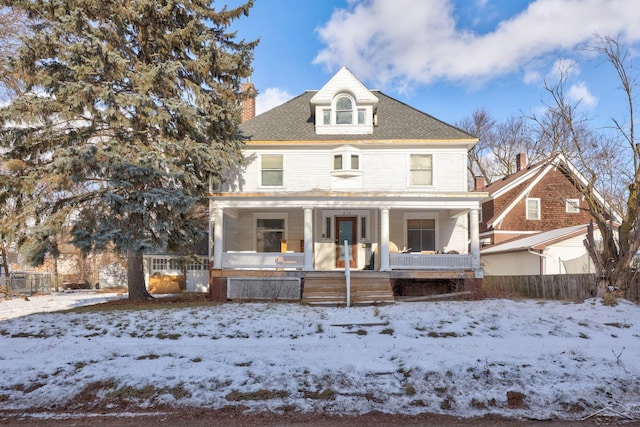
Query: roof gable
x: 509, y: 182
x: 528, y: 178
x: 343, y: 81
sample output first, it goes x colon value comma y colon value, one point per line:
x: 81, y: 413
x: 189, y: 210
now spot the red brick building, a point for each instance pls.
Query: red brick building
x: 536, y: 198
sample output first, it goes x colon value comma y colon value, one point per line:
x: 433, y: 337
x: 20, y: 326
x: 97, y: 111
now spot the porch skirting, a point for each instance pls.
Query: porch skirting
x: 329, y: 287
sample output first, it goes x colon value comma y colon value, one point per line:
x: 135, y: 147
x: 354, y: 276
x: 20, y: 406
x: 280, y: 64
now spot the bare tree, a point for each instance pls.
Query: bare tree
x: 481, y: 125
x: 595, y: 153
x: 499, y: 142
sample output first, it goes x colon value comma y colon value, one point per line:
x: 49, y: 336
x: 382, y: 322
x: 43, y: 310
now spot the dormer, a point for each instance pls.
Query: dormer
x: 344, y: 106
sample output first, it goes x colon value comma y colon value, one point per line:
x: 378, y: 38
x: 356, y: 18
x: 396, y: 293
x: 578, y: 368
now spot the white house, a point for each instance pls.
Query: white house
x: 345, y: 164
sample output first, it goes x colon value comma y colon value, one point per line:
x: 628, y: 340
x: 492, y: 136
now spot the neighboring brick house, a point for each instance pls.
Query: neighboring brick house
x: 534, y: 222
x: 536, y: 198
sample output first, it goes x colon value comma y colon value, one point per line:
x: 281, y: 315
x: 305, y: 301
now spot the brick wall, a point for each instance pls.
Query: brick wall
x: 552, y: 191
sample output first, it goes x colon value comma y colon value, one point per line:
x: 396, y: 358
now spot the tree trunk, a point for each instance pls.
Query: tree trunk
x: 135, y: 277
x: 5, y: 261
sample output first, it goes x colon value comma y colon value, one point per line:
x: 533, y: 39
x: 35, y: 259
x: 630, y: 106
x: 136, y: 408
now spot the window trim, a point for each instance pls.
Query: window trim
x: 572, y: 206
x: 347, y: 153
x: 328, y: 221
x: 268, y: 215
x: 409, y: 174
x: 262, y: 170
x: 326, y: 116
x: 538, y: 209
x: 363, y: 227
x: 350, y: 111
x: 421, y: 215
x: 338, y: 158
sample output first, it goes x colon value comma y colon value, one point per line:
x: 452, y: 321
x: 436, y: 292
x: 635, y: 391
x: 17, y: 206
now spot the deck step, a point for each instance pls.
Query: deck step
x: 330, y: 289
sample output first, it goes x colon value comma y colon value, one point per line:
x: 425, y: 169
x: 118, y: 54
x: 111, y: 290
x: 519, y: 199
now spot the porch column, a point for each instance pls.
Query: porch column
x: 218, y: 237
x: 475, y: 237
x: 308, y: 239
x: 384, y: 239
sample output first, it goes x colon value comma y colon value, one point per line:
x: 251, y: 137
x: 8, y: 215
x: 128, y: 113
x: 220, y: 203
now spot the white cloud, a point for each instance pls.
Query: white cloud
x: 411, y: 41
x: 579, y: 92
x: 563, y: 68
x: 271, y: 97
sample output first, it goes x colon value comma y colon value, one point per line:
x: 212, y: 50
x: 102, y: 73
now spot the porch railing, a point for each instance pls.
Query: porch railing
x: 409, y: 261
x: 263, y: 260
x: 295, y: 261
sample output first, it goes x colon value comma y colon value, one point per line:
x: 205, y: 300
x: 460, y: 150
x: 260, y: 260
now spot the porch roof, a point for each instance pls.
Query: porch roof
x: 330, y: 199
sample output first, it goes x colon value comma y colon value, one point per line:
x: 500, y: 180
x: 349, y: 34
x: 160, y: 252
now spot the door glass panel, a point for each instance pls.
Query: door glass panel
x: 345, y: 233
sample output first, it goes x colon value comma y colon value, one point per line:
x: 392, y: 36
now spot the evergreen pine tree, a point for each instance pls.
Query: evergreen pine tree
x: 130, y: 107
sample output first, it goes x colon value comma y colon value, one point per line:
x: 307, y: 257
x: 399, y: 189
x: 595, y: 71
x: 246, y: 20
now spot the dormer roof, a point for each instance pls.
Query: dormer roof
x: 344, y: 82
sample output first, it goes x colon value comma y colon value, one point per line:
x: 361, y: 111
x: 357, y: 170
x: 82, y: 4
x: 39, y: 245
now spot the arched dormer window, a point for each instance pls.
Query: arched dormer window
x: 344, y: 110
x: 342, y: 114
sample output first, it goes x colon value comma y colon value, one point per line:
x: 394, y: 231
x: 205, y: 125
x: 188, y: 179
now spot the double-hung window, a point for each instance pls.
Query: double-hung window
x: 572, y: 205
x: 533, y: 208
x: 272, y: 170
x: 339, y: 162
x: 421, y: 169
x: 269, y: 234
x: 344, y: 111
x: 421, y: 234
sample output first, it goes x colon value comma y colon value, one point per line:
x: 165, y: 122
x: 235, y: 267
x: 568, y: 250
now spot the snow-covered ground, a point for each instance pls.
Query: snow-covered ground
x: 566, y: 360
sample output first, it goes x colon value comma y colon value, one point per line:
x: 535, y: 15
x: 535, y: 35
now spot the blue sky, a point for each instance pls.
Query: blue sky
x: 447, y: 58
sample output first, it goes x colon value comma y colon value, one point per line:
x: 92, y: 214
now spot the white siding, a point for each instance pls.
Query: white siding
x: 382, y: 169
x: 568, y: 256
x: 511, y: 264
x: 454, y: 234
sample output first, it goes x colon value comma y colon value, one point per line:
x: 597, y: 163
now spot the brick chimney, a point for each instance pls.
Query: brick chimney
x: 479, y: 182
x: 521, y: 161
x: 248, y: 101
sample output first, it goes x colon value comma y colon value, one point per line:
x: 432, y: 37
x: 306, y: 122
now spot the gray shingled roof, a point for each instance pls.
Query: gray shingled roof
x: 292, y: 121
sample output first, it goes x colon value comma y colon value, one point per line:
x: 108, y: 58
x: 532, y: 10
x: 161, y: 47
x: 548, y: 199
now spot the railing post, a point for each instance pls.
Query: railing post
x: 347, y: 271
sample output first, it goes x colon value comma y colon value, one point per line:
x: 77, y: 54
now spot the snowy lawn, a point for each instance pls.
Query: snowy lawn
x: 514, y: 358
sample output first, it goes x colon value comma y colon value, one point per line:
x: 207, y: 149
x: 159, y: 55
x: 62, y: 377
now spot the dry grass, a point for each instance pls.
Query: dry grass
x: 183, y: 300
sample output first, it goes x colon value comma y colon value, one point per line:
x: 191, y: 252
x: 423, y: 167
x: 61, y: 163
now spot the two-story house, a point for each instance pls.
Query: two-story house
x: 345, y: 187
x: 535, y: 220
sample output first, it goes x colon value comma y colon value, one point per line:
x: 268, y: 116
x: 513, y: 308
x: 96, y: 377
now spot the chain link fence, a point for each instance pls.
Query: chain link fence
x: 26, y: 283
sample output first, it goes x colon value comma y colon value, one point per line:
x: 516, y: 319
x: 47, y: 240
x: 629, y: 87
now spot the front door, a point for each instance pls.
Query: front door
x: 346, y: 230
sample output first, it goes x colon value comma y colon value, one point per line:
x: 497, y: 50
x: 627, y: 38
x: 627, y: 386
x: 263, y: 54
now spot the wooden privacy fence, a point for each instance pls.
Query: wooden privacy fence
x: 554, y: 286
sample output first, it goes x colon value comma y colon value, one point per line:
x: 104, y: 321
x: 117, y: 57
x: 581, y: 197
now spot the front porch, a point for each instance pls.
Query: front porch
x: 283, y: 246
